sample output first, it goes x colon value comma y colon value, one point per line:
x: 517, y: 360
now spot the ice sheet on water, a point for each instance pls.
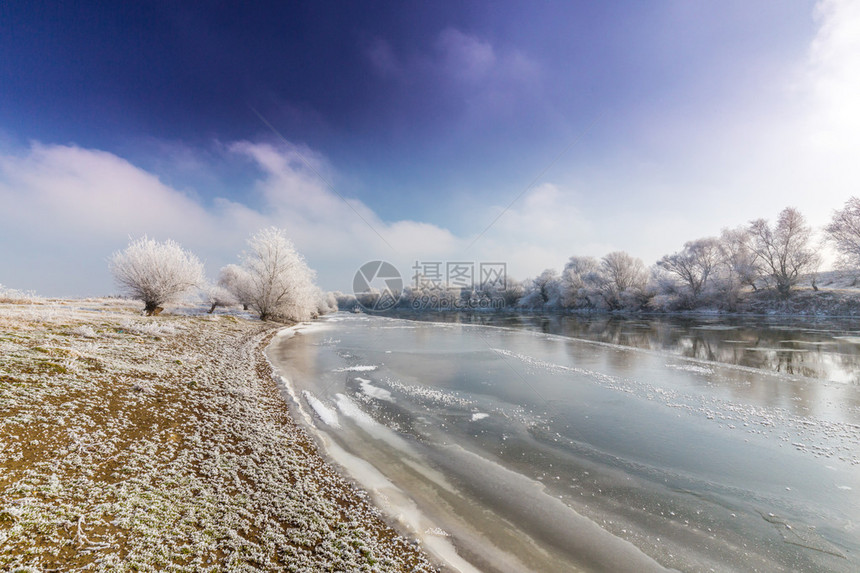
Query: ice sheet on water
x: 766, y: 349
x: 353, y: 412
x: 479, y: 416
x: 326, y: 414
x: 691, y: 368
x: 840, y: 438
x: 359, y: 368
x: 349, y: 409
x: 444, y: 398
x: 801, y: 535
x: 531, y: 361
x: 374, y: 391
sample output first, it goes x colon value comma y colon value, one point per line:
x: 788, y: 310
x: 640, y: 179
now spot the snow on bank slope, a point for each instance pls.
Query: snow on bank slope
x: 131, y: 443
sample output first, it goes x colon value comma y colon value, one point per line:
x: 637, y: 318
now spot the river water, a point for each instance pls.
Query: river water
x: 508, y: 443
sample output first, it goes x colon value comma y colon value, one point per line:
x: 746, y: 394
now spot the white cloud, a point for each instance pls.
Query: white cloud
x: 676, y: 177
x: 790, y: 139
x: 69, y: 208
x: 382, y: 58
x: 492, y: 82
x: 834, y: 67
x: 76, y: 190
x: 480, y: 79
x: 806, y: 154
x: 542, y: 229
x: 338, y: 233
x: 464, y: 57
x: 65, y: 208
x: 830, y: 129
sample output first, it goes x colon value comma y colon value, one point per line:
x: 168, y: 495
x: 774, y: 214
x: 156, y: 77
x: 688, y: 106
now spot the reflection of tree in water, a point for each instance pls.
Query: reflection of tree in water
x: 850, y: 363
x: 831, y: 353
x: 795, y: 347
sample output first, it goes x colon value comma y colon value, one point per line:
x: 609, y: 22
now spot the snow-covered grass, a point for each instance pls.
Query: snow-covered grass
x: 14, y: 296
x: 148, y: 444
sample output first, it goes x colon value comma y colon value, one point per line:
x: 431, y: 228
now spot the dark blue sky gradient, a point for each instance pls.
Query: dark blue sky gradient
x: 409, y: 136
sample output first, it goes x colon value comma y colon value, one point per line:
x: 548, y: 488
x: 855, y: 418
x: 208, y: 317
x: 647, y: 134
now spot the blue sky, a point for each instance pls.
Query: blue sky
x: 610, y: 126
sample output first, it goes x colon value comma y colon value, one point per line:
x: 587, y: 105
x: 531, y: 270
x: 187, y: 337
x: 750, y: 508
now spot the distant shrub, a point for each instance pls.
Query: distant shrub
x: 14, y: 296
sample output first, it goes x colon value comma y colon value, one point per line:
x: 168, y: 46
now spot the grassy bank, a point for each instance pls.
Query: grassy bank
x: 151, y: 444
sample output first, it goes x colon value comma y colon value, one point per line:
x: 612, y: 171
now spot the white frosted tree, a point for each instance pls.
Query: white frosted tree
x: 694, y: 264
x: 784, y: 250
x: 741, y: 266
x: 575, y: 285
x: 280, y: 284
x: 216, y: 295
x: 843, y: 232
x: 620, y: 281
x: 345, y: 301
x: 543, y: 291
x: 156, y: 273
x: 503, y: 294
x: 326, y: 302
x: 237, y: 282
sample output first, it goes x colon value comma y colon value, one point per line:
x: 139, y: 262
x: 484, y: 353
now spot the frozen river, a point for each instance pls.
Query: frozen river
x: 531, y: 444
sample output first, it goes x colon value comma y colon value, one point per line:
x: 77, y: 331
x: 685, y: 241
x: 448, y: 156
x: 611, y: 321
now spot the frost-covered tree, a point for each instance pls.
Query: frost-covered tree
x: 784, y: 250
x: 542, y: 292
x: 620, y: 281
x: 279, y: 281
x: 624, y: 271
x: 668, y: 295
x: 694, y: 264
x: 156, y: 273
x: 843, y: 232
x: 326, y: 302
x: 741, y: 266
x: 505, y: 294
x: 576, y: 286
x: 345, y: 301
x: 216, y: 295
x: 237, y: 282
